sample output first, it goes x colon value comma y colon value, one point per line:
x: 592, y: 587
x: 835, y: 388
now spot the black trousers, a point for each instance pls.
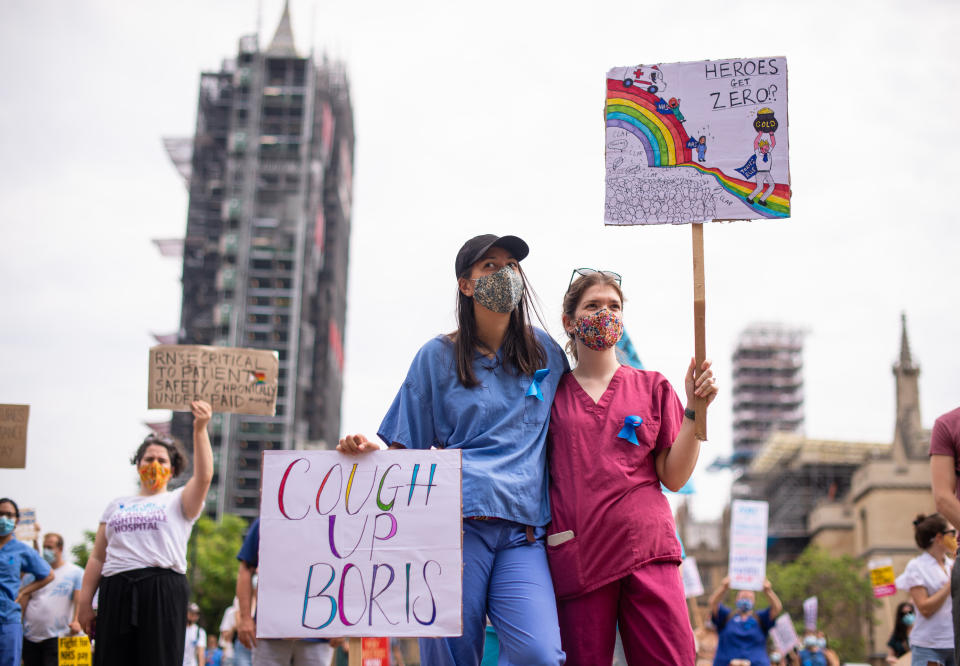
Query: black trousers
x: 43, y: 653
x: 141, y: 618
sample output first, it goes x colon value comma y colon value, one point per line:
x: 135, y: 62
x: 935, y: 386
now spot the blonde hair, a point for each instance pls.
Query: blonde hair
x: 572, y: 299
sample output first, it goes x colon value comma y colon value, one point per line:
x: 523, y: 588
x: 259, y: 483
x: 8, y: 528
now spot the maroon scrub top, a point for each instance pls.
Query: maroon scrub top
x: 605, y: 488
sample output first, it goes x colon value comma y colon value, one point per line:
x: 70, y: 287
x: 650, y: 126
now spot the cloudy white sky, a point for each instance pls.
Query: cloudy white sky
x: 471, y: 119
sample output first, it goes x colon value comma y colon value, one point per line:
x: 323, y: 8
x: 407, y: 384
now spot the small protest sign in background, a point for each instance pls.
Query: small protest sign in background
x: 748, y: 544
x: 692, y: 585
x: 784, y: 634
x: 231, y: 379
x: 365, y: 545
x: 74, y: 651
x: 882, y: 577
x: 27, y: 526
x: 13, y: 435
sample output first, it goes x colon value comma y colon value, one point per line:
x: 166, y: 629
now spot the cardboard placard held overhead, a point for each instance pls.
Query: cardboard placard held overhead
x: 357, y: 546
x: 697, y: 141
x: 231, y: 379
x: 748, y: 544
x: 13, y: 436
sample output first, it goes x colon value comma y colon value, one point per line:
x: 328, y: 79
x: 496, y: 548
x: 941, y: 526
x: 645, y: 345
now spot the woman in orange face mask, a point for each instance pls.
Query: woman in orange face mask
x: 139, y: 558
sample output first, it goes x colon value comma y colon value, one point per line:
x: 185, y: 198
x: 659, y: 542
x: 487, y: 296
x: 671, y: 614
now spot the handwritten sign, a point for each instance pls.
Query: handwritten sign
x: 74, y: 651
x: 882, y: 577
x: 697, y: 141
x: 27, y: 526
x: 810, y: 608
x: 13, y: 435
x: 365, y: 545
x: 375, y: 651
x: 748, y: 544
x: 692, y: 585
x: 784, y: 634
x: 242, y: 381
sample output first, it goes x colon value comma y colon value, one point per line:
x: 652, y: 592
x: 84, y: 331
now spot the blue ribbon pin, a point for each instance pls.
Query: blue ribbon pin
x: 629, y: 430
x: 534, y: 389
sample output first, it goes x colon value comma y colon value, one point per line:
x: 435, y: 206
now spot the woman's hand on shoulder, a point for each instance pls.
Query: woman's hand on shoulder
x: 202, y: 411
x: 705, y: 385
x: 354, y: 444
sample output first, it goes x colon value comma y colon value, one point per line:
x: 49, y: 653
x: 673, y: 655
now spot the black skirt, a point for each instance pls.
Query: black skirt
x: 142, y: 618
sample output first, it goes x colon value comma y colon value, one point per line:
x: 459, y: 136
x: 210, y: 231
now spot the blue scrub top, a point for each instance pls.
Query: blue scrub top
x: 17, y: 558
x: 501, y: 430
x: 742, y: 638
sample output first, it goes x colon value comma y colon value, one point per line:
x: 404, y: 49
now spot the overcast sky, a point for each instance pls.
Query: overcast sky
x: 472, y: 118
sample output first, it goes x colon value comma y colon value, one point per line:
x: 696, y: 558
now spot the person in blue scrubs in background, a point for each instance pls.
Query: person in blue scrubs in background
x: 16, y: 558
x: 742, y: 631
x: 486, y: 389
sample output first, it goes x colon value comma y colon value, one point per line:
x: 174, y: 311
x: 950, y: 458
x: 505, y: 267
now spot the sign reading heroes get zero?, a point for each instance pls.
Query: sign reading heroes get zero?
x: 242, y: 381
x: 367, y: 545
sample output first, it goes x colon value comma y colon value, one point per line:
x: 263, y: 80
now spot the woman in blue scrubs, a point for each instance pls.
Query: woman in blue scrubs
x: 486, y: 389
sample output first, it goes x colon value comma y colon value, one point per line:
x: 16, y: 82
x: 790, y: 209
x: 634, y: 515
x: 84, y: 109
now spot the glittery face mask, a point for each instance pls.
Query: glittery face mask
x: 600, y: 330
x: 154, y: 476
x: 500, y: 291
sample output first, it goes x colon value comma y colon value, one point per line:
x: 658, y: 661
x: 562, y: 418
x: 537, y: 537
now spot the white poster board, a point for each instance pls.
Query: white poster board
x: 367, y: 545
x: 697, y: 141
x: 748, y: 544
x: 784, y: 634
x: 692, y: 585
x: 810, y: 607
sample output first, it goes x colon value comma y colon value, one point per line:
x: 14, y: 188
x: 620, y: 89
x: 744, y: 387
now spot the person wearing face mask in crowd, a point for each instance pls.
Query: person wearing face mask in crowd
x: 743, y: 631
x: 812, y: 653
x: 16, y: 559
x: 52, y: 610
x: 615, y: 434
x: 927, y: 577
x: 486, y: 389
x: 899, y: 643
x: 139, y: 557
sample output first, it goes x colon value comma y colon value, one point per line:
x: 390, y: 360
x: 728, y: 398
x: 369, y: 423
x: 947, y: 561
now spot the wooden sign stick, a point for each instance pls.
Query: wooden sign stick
x: 699, y: 326
x: 355, y: 652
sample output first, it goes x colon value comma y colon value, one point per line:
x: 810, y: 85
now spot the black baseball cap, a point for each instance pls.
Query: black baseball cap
x: 474, y: 249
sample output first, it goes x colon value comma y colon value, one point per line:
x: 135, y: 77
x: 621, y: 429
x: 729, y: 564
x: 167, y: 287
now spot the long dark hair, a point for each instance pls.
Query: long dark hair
x: 521, y: 349
x: 899, y: 628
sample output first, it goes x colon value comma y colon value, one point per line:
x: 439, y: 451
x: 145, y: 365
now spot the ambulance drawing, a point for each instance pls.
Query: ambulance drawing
x: 648, y: 78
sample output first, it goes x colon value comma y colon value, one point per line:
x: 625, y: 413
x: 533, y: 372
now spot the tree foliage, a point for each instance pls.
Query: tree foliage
x: 212, y: 566
x: 844, y: 597
x: 81, y: 551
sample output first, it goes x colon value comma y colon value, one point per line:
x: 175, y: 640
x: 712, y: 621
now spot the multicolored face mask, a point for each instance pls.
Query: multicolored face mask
x: 154, y: 476
x: 500, y: 291
x: 600, y: 330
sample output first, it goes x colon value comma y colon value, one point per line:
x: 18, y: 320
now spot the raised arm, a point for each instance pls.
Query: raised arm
x: 91, y: 579
x: 776, y: 607
x: 195, y: 492
x: 717, y: 596
x: 675, y: 464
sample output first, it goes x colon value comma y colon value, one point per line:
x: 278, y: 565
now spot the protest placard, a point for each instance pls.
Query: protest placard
x: 375, y: 651
x: 882, y: 577
x: 748, y: 544
x: 231, y: 379
x: 810, y: 609
x: 365, y: 545
x: 13, y: 435
x: 724, y: 156
x: 692, y: 585
x: 74, y: 651
x: 26, y: 530
x: 784, y: 634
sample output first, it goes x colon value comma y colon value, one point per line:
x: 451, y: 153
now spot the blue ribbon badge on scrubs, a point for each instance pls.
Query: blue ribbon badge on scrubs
x: 538, y: 377
x: 629, y: 430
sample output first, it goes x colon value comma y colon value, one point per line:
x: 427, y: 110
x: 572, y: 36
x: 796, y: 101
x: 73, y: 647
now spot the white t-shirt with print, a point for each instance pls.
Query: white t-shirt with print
x: 935, y: 631
x: 196, y: 637
x: 50, y: 609
x: 146, y: 531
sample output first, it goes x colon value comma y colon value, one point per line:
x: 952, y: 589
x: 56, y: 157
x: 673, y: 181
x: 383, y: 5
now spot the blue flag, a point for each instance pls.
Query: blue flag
x: 626, y: 353
x: 749, y: 170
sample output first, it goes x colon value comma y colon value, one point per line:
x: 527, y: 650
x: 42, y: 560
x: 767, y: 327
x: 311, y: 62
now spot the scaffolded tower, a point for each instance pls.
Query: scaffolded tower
x: 767, y: 387
x: 270, y: 177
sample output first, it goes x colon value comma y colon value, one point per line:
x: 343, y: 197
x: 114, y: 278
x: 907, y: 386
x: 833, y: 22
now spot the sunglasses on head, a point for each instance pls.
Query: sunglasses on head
x: 592, y: 271
x: 154, y: 438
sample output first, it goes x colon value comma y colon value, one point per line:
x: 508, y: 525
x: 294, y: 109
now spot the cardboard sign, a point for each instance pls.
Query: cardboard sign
x: 882, y: 577
x: 748, y: 544
x: 375, y: 651
x: 697, y: 141
x: 27, y: 526
x: 13, y: 436
x: 783, y: 633
x: 367, y: 545
x: 810, y: 608
x: 692, y: 585
x: 242, y: 381
x: 74, y: 651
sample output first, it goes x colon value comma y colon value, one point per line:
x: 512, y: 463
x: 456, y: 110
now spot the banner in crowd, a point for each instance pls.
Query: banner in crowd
x: 231, y: 379
x: 26, y: 529
x: 810, y: 609
x: 784, y: 634
x: 882, y: 577
x: 748, y: 544
x: 697, y: 141
x: 692, y: 585
x: 13, y: 436
x: 367, y: 545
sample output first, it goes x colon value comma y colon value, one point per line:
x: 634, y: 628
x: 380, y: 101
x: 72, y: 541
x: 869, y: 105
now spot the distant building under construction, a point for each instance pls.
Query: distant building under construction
x: 767, y: 387
x: 270, y: 177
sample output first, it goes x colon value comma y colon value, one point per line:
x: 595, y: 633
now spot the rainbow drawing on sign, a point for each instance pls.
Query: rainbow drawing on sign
x: 257, y: 378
